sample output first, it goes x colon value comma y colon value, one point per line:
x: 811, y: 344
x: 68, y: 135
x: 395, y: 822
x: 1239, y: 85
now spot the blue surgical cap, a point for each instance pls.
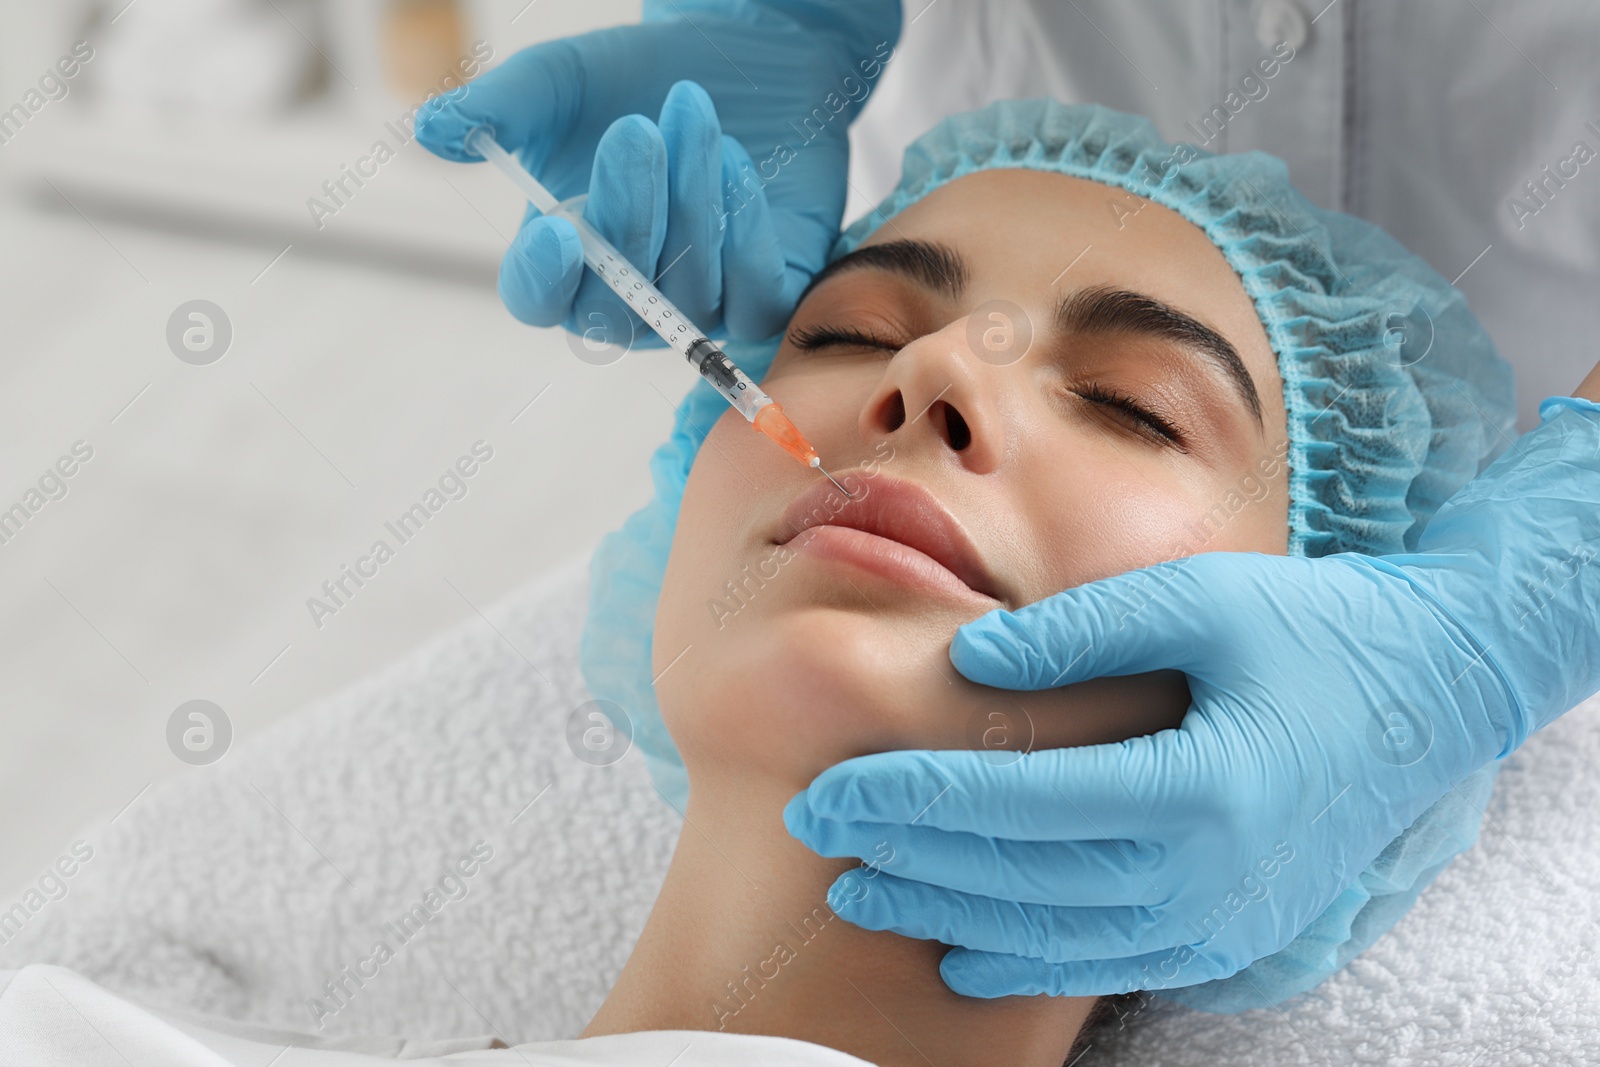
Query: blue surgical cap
x: 1395, y: 399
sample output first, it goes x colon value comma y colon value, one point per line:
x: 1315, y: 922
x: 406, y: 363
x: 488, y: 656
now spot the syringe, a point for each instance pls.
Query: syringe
x: 663, y: 317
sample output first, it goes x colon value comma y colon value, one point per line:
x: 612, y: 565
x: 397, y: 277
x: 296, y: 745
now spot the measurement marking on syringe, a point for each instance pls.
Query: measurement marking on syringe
x: 622, y: 278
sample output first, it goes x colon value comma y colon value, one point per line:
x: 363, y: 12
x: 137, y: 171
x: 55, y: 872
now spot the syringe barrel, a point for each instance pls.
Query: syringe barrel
x: 638, y: 291
x: 640, y: 294
x: 664, y: 318
x: 724, y: 376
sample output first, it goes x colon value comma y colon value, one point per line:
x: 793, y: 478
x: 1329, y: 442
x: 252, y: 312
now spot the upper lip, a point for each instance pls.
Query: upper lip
x: 899, y: 510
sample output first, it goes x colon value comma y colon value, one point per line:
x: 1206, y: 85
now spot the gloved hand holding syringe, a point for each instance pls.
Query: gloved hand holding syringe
x: 662, y: 316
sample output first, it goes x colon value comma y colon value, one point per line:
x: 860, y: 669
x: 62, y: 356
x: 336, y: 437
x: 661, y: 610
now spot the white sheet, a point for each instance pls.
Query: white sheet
x: 240, y: 889
x: 53, y: 1017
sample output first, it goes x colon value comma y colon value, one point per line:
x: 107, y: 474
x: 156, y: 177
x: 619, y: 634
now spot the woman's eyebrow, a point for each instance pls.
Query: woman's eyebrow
x: 931, y: 265
x: 1103, y: 309
x: 1098, y: 309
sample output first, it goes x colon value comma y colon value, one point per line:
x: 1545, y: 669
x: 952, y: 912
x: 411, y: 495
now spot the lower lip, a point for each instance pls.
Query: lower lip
x: 900, y: 563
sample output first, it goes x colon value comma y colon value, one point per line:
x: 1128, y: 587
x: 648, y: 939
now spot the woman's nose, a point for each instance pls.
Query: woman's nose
x: 936, y: 392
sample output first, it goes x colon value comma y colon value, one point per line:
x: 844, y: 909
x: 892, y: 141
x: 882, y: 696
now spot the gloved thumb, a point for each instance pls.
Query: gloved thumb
x: 1155, y: 618
x: 532, y: 101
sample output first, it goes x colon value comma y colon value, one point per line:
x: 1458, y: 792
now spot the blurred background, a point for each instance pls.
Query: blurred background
x: 366, y: 355
x: 248, y: 321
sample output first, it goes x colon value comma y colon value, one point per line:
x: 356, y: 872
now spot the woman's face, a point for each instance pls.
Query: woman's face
x: 1037, y: 379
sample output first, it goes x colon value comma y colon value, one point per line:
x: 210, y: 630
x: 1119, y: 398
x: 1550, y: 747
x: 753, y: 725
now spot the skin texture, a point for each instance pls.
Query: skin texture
x: 1055, y: 485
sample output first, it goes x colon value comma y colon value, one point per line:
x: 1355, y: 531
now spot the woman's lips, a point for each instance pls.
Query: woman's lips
x: 880, y: 556
x: 896, y: 529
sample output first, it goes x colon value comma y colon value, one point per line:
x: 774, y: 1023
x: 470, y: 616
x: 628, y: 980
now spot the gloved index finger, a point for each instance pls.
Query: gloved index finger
x: 627, y: 205
x: 531, y: 101
x: 691, y: 251
x: 1096, y: 792
x: 1101, y: 872
x: 1156, y: 618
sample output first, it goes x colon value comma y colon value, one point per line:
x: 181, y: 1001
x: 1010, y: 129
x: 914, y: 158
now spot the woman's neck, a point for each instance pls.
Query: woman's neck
x: 741, y: 938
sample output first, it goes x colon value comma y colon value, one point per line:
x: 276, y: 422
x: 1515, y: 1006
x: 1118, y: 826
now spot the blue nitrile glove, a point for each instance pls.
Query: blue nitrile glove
x: 1334, y: 700
x: 733, y: 217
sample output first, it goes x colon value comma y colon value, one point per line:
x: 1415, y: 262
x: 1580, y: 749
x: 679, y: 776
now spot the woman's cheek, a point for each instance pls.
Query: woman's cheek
x: 824, y: 396
x: 1091, y: 524
x: 1149, y: 526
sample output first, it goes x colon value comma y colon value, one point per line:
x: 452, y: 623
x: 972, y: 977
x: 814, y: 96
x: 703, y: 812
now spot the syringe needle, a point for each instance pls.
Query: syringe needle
x: 817, y: 463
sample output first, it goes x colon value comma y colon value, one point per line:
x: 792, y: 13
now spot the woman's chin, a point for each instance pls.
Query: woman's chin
x: 814, y: 685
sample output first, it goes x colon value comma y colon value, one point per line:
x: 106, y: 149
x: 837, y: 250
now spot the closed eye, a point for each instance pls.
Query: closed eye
x: 1149, y: 423
x: 811, y: 338
x: 1141, y: 419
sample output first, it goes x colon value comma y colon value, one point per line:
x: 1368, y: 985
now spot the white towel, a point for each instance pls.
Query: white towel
x: 242, y: 888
